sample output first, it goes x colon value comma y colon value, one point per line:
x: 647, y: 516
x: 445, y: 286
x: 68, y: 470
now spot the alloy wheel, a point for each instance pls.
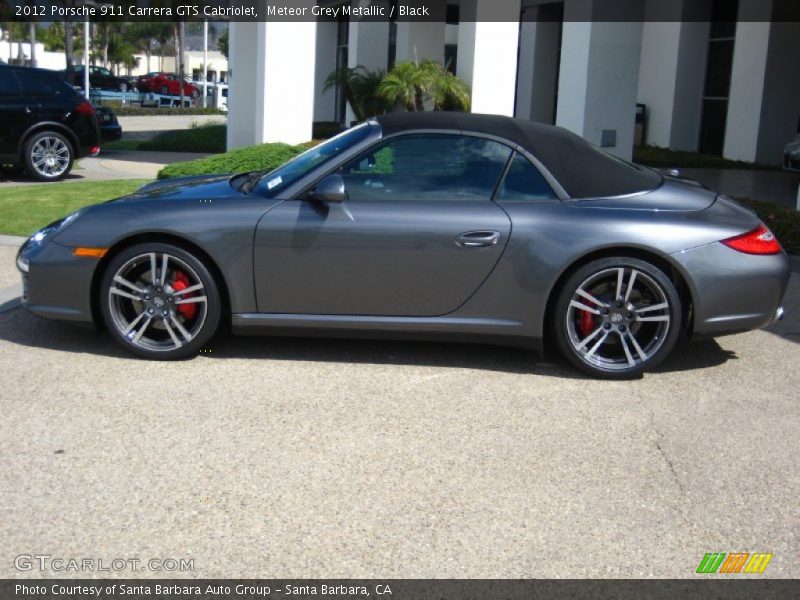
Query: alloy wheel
x: 618, y: 319
x: 157, y: 302
x: 50, y: 156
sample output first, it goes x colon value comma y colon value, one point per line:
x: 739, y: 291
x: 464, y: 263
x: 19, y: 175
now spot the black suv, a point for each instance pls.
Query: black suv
x: 44, y: 124
x: 99, y: 77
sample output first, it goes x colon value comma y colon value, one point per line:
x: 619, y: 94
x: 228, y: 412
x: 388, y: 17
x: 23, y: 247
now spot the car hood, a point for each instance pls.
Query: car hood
x: 676, y: 194
x: 204, y: 187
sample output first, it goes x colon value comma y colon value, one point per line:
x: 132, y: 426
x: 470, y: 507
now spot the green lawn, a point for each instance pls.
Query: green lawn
x: 24, y: 209
x: 664, y: 158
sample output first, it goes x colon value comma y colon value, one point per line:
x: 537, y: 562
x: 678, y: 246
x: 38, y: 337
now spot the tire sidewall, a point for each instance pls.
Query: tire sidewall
x: 29, y: 160
x: 579, y: 276
x: 213, y: 302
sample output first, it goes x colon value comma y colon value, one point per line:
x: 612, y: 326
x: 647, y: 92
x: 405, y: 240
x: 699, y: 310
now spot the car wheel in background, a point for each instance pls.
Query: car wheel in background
x: 164, y: 90
x: 123, y: 87
x: 159, y: 301
x: 617, y: 317
x: 48, y: 156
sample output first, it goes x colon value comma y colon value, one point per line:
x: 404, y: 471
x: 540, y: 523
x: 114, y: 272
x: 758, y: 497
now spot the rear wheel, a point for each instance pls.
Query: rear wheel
x: 617, y: 317
x: 159, y: 301
x: 164, y: 90
x: 48, y: 156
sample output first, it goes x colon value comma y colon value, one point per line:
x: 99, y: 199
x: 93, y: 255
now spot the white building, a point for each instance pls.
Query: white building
x: 716, y: 75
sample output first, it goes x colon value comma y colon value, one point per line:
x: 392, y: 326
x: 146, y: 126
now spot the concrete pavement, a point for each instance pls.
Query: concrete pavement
x: 313, y: 458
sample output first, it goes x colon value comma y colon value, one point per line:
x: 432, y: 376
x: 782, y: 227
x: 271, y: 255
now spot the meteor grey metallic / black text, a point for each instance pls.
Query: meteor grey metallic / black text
x: 419, y: 226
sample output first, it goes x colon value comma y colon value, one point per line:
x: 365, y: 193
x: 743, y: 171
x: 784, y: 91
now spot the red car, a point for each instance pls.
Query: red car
x: 166, y: 84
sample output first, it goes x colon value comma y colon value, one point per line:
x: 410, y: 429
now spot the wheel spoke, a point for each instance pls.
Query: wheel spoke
x: 589, y: 338
x: 629, y: 289
x: 186, y: 335
x: 171, y: 333
x: 153, y: 268
x: 620, y: 279
x: 586, y: 295
x: 139, y: 333
x: 599, y: 343
x: 579, y: 306
x: 164, y: 261
x: 191, y: 300
x: 628, y: 354
x: 133, y: 324
x: 661, y: 306
x: 123, y: 293
x: 188, y: 290
x: 637, y: 347
x: 652, y: 319
x: 122, y: 281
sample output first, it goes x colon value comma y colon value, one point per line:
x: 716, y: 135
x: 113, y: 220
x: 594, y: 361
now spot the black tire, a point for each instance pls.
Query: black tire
x: 623, y: 334
x: 62, y: 156
x: 195, y: 94
x: 158, y: 338
x: 123, y: 87
x: 164, y: 91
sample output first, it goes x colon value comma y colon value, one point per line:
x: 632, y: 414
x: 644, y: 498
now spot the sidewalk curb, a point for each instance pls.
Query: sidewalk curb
x: 10, y: 297
x: 12, y: 240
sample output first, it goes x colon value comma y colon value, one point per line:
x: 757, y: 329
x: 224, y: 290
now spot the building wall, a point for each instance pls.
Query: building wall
x: 44, y: 60
x: 325, y: 100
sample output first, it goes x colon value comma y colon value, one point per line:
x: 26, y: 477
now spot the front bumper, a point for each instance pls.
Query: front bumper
x: 57, y: 284
x: 732, y: 291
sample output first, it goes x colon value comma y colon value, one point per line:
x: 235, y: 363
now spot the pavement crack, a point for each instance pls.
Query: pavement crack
x: 660, y: 436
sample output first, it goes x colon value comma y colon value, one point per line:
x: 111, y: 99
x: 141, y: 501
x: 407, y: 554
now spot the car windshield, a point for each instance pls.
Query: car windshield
x: 272, y: 182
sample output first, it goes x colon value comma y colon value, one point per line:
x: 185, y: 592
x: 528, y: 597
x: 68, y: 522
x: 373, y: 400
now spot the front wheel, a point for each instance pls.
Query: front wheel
x: 159, y: 301
x: 617, y: 317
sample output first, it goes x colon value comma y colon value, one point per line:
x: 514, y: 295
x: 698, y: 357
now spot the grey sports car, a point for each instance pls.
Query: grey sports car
x: 419, y: 225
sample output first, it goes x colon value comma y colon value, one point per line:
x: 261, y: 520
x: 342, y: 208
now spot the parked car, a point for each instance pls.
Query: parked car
x: 44, y: 123
x: 791, y: 155
x: 166, y: 84
x: 99, y: 77
x: 419, y: 225
x: 110, y: 129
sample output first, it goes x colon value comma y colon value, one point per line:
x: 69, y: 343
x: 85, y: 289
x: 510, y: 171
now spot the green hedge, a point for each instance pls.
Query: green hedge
x: 664, y: 158
x: 783, y: 222
x: 204, y: 138
x: 132, y: 111
x: 240, y: 160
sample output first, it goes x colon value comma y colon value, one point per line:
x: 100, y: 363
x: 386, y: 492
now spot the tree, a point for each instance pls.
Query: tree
x: 360, y: 89
x: 53, y: 37
x: 428, y: 83
x: 222, y: 43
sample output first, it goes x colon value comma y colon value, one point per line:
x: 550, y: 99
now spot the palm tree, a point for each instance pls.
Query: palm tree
x: 347, y: 77
x: 402, y: 86
x: 445, y: 90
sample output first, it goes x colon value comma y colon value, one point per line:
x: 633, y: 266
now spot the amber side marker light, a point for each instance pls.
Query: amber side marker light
x: 90, y: 252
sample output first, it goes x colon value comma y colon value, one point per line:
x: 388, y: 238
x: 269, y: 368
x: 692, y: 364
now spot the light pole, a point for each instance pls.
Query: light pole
x: 86, y: 57
x: 205, y: 61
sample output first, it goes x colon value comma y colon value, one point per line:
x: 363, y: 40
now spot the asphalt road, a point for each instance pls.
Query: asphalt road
x: 308, y: 458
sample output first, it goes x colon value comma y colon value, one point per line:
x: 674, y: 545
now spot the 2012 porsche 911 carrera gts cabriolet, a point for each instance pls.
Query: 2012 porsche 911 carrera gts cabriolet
x: 419, y: 225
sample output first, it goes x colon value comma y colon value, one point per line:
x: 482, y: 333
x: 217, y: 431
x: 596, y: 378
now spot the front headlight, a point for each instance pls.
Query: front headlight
x: 39, y: 237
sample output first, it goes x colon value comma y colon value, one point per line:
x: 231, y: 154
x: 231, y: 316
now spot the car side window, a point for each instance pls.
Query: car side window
x: 524, y: 182
x: 9, y: 86
x: 36, y: 84
x: 427, y: 167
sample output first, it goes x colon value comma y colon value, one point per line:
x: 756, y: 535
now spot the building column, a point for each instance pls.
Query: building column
x: 325, y: 100
x: 367, y: 46
x: 764, y: 104
x: 537, y: 79
x: 271, y: 77
x: 672, y: 72
x: 487, y: 54
x: 599, y: 76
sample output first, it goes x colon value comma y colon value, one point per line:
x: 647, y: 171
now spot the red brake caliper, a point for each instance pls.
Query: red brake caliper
x: 586, y: 323
x: 180, y: 282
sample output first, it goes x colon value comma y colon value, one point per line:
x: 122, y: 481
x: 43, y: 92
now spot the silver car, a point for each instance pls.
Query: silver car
x: 439, y: 225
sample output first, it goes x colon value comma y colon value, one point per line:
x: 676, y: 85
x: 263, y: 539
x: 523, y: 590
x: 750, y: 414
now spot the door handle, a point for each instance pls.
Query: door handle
x: 478, y: 239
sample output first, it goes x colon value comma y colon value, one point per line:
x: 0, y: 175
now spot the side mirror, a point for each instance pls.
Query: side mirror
x: 330, y: 189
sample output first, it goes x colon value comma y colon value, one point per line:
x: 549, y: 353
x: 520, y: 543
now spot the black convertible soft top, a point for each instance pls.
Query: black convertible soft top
x: 583, y: 170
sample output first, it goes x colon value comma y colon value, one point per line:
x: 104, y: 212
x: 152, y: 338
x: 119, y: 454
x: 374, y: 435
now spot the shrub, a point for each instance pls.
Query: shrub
x: 664, y: 158
x: 240, y: 160
x: 203, y: 138
x: 131, y: 111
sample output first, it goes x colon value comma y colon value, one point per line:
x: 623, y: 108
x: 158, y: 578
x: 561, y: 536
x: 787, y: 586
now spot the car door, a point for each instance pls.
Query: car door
x: 17, y: 113
x: 417, y: 236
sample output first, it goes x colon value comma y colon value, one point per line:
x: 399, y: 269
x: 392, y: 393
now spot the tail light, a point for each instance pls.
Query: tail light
x: 758, y: 241
x: 85, y: 108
